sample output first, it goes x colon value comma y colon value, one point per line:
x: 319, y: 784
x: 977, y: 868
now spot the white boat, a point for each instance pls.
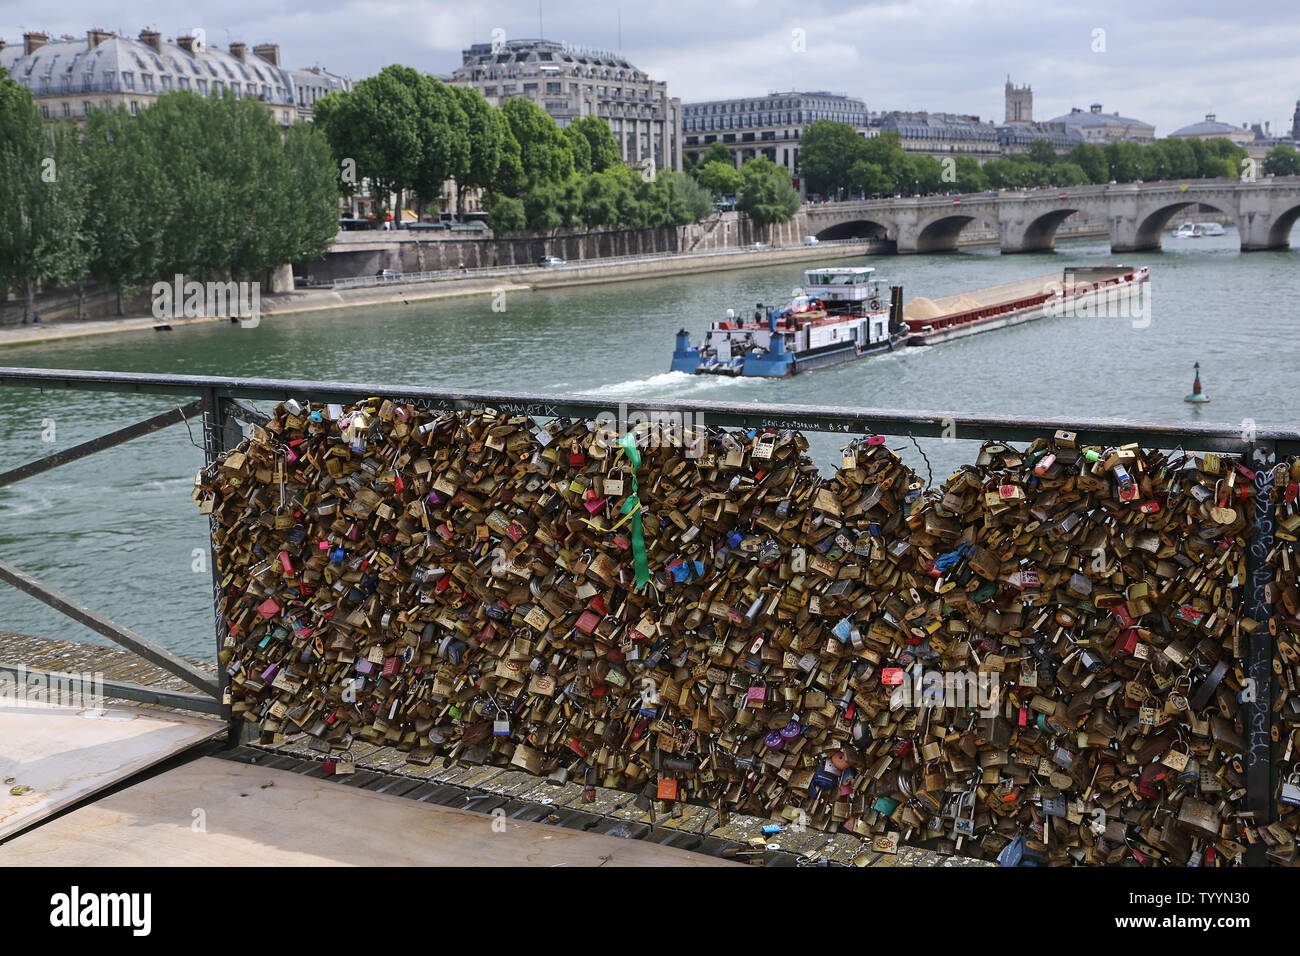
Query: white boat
x: 1210, y: 228
x: 1189, y: 230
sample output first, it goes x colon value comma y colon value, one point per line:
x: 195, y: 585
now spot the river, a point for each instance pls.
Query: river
x: 119, y: 532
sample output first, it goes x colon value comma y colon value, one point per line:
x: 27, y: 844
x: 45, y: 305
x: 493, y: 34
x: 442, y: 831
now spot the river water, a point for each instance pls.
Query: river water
x: 119, y: 532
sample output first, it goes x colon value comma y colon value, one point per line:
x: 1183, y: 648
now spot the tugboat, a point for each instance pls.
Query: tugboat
x: 840, y: 315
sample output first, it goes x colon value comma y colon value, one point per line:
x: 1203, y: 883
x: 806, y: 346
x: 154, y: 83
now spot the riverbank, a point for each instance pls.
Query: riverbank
x: 589, y: 272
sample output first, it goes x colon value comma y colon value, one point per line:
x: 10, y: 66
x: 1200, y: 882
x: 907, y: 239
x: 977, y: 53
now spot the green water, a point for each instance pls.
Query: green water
x: 119, y: 532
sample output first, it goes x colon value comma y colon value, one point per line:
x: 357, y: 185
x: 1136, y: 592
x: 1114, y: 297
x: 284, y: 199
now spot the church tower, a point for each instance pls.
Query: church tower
x: 1295, y: 122
x: 1020, y: 103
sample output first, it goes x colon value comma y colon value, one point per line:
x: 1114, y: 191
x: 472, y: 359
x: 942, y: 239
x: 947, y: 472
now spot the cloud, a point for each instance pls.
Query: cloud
x: 1166, y: 62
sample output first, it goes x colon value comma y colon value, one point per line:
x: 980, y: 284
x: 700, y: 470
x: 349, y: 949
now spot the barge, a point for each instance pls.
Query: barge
x: 1081, y: 291
x: 840, y: 315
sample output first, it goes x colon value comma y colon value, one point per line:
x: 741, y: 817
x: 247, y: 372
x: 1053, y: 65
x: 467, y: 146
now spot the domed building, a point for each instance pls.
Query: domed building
x: 1211, y: 128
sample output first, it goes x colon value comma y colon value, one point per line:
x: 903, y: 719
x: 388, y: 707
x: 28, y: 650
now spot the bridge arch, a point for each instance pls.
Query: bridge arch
x: 939, y: 234
x: 1150, y: 230
x: 857, y: 229
x: 1279, y: 233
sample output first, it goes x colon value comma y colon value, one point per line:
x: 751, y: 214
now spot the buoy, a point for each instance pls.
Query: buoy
x: 1197, y: 397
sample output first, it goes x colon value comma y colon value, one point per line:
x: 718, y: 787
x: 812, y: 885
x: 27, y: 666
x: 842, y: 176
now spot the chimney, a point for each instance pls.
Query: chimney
x: 2, y: 44
x: 270, y: 52
x: 96, y: 37
x: 186, y: 43
x: 1209, y: 117
x: 151, y: 38
x: 33, y: 42
x: 238, y: 50
x: 1095, y: 107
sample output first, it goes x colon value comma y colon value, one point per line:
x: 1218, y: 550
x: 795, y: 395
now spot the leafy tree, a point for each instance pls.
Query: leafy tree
x: 1222, y: 157
x: 1125, y: 161
x: 827, y: 153
x: 1091, y: 158
x: 1282, y: 161
x: 1042, y: 152
x: 133, y: 198
x: 543, y: 151
x: 443, y: 133
x: 1066, y: 173
x: 580, y: 148
x: 766, y: 194
x: 869, y: 178
x: 683, y: 199
x: 922, y: 174
x: 505, y: 214
x: 600, y: 139
x: 378, y: 127
x: 42, y: 196
x: 311, y: 188
x: 717, y: 153
x: 486, y: 130
x: 970, y: 176
x: 721, y: 179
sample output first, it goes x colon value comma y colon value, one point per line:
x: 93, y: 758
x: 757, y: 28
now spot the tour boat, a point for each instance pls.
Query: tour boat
x: 838, y: 316
x: 1210, y: 228
x: 1189, y: 230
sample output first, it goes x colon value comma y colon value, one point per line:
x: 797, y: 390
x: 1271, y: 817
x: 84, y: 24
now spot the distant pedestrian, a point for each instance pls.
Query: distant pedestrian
x: 462, y: 267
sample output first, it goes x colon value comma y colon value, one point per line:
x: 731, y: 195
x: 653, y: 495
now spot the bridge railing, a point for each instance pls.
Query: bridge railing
x: 223, y: 402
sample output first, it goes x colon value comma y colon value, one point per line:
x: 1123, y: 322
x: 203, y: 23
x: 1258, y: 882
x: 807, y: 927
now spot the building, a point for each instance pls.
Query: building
x: 766, y: 125
x: 1295, y: 123
x: 1020, y: 103
x: 1098, y: 127
x: 1211, y: 128
x: 942, y: 134
x: 569, y: 82
x: 70, y: 76
x: 1016, y: 138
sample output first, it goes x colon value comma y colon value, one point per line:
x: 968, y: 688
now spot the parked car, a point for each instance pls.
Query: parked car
x: 388, y: 274
x: 759, y: 246
x: 810, y: 240
x: 551, y: 261
x: 301, y: 282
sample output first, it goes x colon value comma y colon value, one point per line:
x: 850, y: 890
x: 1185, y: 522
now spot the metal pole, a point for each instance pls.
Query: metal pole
x: 214, y: 444
x: 1258, y: 708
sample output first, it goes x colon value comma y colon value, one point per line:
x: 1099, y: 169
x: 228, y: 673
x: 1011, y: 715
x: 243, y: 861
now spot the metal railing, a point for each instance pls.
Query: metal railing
x: 222, y: 402
x: 489, y: 272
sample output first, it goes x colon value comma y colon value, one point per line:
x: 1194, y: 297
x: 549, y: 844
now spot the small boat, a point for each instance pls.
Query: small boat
x: 840, y: 315
x: 1210, y: 228
x: 1190, y: 230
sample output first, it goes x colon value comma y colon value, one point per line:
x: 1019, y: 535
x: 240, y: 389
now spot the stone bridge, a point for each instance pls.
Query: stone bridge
x: 1026, y: 221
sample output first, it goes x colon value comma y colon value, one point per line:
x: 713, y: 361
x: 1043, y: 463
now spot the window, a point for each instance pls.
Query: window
x: 128, y: 80
x: 85, y: 108
x: 147, y: 80
x: 203, y: 86
x: 184, y: 82
x: 554, y: 88
x: 45, y: 112
x: 166, y: 82
x: 135, y: 108
x: 67, y: 109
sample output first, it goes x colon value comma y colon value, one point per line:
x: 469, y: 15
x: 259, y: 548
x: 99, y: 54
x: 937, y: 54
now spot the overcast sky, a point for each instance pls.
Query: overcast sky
x: 1168, y: 62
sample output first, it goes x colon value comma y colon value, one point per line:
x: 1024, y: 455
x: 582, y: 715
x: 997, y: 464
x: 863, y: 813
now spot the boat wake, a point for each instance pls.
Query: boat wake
x: 667, y: 383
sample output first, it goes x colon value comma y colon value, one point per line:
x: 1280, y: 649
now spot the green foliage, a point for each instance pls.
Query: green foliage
x: 717, y: 153
x: 505, y: 214
x: 1091, y: 158
x: 1041, y: 152
x: 681, y: 197
x: 827, y: 154
x: 970, y: 176
x: 721, y: 179
x: 1282, y: 161
x: 766, y: 194
x: 580, y: 148
x: 543, y: 150
x: 600, y: 140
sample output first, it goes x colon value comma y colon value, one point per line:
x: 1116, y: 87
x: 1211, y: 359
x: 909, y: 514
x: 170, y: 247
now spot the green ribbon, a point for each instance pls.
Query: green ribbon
x: 632, y: 504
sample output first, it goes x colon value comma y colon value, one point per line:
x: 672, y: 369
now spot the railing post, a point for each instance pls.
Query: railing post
x: 1258, y: 708
x: 216, y: 439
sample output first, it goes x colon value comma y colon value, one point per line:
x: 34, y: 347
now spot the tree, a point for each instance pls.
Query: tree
x: 1091, y: 158
x: 1068, y: 174
x: 766, y: 194
x: 682, y: 198
x: 543, y: 151
x: 486, y: 130
x: 42, y: 196
x: 443, y: 133
x: 922, y: 174
x: 827, y: 153
x: 1282, y: 161
x: 580, y: 148
x: 721, y: 179
x: 133, y: 198
x: 376, y: 129
x: 970, y: 177
x: 1222, y: 157
x: 505, y: 214
x: 717, y: 153
x: 600, y: 139
x: 869, y: 178
x: 1042, y: 152
x: 313, y: 193
x: 1125, y: 160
